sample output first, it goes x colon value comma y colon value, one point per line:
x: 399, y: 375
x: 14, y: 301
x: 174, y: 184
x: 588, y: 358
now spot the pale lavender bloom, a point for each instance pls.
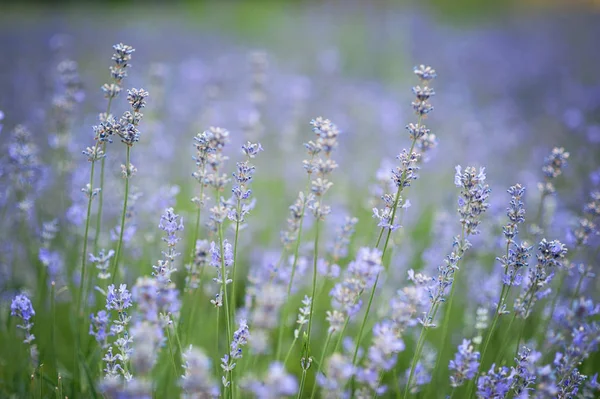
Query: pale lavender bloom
x: 464, y: 365
x: 360, y: 275
x: 553, y: 166
x: 102, y: 262
x: 197, y: 381
x: 240, y: 338
x: 99, y: 327
x: 337, y: 373
x: 118, y: 299
x: 147, y: 337
x: 381, y: 356
x: 276, y: 384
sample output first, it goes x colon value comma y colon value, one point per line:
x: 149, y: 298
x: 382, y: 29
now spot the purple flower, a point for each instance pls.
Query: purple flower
x: 465, y: 364
x: 21, y: 307
x: 118, y: 299
x: 99, y: 327
x: 495, y: 384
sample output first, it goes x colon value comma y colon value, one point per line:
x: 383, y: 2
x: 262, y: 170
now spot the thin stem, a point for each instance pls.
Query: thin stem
x: 319, y: 365
x: 235, y: 259
x: 53, y: 326
x: 123, y: 214
x: 217, y: 339
x: 101, y: 193
x: 314, y: 280
x: 413, y: 365
x: 385, y: 246
x: 287, y: 356
x: 86, y: 235
x: 100, y: 201
x: 294, y: 264
x: 302, y: 382
x: 225, y: 299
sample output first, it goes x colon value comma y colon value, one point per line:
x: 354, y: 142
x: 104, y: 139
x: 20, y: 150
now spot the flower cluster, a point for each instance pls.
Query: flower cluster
x: 549, y: 257
x: 553, y: 167
x: 240, y: 338
x: 465, y: 364
x: 421, y: 138
x: 327, y: 140
x: 118, y: 71
x: 360, y: 275
x: 22, y: 308
x: 474, y: 194
x: 516, y: 255
x: 243, y: 178
x: 196, y: 381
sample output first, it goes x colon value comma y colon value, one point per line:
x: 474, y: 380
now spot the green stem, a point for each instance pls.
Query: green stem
x: 302, y: 382
x: 294, y: 264
x: 123, y: 214
x: 287, y: 356
x: 385, y: 246
x: 225, y: 299
x: 415, y: 359
x: 85, y: 237
x: 314, y: 280
x: 319, y: 365
x: 235, y: 261
x: 101, y: 193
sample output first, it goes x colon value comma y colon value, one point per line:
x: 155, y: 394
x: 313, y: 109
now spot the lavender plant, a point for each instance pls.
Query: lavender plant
x: 337, y: 304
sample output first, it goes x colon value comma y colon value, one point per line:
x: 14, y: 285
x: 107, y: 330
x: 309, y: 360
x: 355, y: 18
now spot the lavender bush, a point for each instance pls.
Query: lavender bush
x: 211, y: 235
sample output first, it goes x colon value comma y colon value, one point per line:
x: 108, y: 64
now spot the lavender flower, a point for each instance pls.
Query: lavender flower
x: 196, y: 381
x: 381, y: 356
x: 199, y: 262
x: 495, y: 383
x: 102, y: 262
x: 342, y: 238
x: 553, y: 166
x: 550, y: 256
x: 276, y: 384
x: 338, y: 371
x: 22, y: 308
x: 360, y: 275
x: 240, y: 338
x: 474, y: 194
x: 464, y: 365
x: 294, y: 220
x: 327, y: 140
x: 524, y: 374
x: 303, y: 315
x: 99, y: 326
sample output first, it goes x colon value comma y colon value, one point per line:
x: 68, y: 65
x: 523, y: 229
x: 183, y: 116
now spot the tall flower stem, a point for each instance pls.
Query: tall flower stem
x: 290, y: 283
x: 302, y: 382
x: 123, y: 215
x: 86, y: 234
x: 225, y: 297
x: 320, y: 364
x: 235, y: 259
x: 314, y: 280
x: 101, y: 193
x: 383, y: 253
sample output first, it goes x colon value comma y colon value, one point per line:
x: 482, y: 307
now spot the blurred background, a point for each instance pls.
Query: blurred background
x: 515, y: 78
